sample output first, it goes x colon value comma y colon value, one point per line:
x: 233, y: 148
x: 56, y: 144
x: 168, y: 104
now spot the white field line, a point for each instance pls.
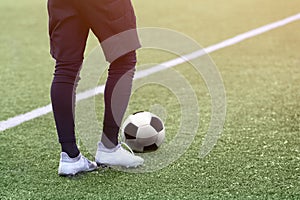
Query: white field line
x: 19, y: 119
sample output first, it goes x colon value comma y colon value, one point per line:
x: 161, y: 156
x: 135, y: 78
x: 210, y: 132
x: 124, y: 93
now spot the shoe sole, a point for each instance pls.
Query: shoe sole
x: 105, y: 165
x: 80, y: 172
x: 101, y: 165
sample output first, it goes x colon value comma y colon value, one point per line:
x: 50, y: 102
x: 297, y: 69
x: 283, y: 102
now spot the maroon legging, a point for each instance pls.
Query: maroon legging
x: 116, y: 96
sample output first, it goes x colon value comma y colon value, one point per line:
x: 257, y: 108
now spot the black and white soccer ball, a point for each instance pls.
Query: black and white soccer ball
x: 143, y: 132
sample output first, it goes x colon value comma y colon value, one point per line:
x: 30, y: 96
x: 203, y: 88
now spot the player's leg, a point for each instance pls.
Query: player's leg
x: 114, y: 24
x: 68, y: 35
x: 116, y: 96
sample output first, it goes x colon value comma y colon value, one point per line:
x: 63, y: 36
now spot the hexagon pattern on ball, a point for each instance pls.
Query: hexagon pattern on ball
x: 143, y: 131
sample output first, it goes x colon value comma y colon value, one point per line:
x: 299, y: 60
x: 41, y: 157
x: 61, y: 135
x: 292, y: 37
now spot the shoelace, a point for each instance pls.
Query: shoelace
x: 128, y: 147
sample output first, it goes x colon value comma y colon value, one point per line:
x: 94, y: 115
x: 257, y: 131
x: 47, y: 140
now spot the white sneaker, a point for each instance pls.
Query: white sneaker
x: 117, y: 156
x: 71, y: 166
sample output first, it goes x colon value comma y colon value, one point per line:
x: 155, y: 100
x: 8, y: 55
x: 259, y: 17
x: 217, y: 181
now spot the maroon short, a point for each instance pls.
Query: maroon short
x: 71, y: 20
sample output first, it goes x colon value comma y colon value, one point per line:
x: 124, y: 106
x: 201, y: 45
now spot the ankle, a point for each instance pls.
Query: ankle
x: 103, y: 148
x: 70, y: 148
x: 108, y: 143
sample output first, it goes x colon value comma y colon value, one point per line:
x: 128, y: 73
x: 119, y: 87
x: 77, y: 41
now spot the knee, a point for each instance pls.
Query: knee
x: 124, y: 63
x: 67, y: 71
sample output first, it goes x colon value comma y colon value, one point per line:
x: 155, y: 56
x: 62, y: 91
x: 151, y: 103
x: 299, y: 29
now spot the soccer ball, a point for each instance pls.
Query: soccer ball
x: 143, y: 132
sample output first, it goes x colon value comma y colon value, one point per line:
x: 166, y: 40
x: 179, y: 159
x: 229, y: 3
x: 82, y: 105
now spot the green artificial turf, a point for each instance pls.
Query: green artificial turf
x: 258, y: 155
